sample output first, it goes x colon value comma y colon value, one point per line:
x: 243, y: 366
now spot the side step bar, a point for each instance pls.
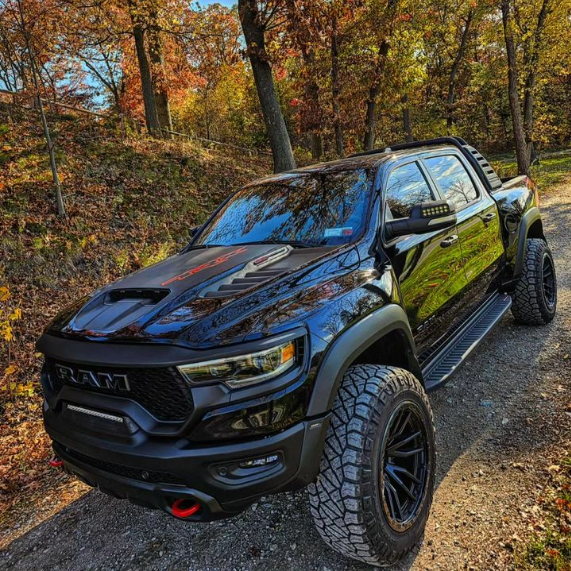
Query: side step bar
x: 444, y: 363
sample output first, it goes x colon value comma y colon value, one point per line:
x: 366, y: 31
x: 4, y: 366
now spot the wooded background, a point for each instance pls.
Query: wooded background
x: 94, y: 182
x: 310, y: 79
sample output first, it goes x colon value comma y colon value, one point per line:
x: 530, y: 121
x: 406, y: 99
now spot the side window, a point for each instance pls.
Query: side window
x: 405, y: 188
x: 453, y: 179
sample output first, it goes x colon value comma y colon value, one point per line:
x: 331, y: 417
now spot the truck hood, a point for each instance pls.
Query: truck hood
x: 202, y: 297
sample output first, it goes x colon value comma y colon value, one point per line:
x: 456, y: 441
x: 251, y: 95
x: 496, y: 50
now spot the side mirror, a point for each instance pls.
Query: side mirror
x: 425, y: 217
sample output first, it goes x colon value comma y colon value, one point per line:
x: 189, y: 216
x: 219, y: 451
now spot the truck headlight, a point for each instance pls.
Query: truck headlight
x: 244, y: 370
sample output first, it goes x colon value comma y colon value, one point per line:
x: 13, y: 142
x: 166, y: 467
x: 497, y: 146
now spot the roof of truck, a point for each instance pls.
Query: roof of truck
x: 375, y: 157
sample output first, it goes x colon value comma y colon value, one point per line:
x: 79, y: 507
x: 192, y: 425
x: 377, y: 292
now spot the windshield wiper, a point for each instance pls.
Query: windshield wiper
x: 294, y: 243
x: 201, y: 247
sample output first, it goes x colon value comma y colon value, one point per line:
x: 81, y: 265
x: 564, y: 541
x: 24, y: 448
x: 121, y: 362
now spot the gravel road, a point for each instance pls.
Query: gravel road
x: 501, y: 422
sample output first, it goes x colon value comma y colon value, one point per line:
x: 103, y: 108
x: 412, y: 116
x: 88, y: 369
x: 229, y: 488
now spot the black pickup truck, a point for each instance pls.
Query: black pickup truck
x: 293, y: 342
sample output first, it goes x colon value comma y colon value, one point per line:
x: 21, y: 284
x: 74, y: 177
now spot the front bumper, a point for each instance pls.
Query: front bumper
x: 208, y: 475
x: 110, y: 411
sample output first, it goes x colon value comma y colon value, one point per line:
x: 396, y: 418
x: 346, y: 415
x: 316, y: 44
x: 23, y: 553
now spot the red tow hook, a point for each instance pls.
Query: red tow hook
x: 55, y: 462
x: 179, y: 511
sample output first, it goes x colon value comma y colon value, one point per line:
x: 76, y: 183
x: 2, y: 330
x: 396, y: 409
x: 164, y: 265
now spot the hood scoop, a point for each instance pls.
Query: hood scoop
x: 117, y: 308
x: 251, y: 275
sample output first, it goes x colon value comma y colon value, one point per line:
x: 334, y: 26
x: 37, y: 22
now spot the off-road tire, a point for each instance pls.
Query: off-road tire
x: 534, y: 301
x: 346, y: 500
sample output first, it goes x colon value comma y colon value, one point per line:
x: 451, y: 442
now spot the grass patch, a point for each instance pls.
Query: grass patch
x: 551, y: 548
x: 549, y: 172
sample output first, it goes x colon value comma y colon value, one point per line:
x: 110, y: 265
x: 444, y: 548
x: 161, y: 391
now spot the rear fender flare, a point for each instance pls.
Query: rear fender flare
x: 350, y: 344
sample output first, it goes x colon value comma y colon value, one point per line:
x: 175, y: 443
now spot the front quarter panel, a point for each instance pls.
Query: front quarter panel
x: 519, y: 211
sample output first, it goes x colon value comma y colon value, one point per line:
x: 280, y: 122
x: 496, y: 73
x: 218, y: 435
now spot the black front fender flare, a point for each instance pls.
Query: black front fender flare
x: 350, y: 344
x: 528, y: 219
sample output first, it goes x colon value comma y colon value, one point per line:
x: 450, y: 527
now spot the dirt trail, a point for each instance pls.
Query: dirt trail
x: 501, y: 422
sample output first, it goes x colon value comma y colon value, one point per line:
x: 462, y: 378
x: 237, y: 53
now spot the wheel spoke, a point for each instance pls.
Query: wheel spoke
x: 399, y: 426
x: 405, y: 472
x: 406, y: 453
x: 404, y: 423
x: 393, y: 494
x: 389, y: 470
x: 403, y: 442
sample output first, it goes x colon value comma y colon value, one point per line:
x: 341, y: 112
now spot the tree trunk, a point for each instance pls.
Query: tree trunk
x: 313, y: 117
x: 159, y: 82
x: 316, y: 145
x: 336, y: 90
x: 302, y: 34
x: 38, y: 98
x: 370, y: 119
x: 254, y: 30
x: 517, y: 123
x: 454, y: 71
x: 375, y: 88
x: 531, y: 58
x: 311, y: 113
x: 151, y: 115
x: 406, y: 119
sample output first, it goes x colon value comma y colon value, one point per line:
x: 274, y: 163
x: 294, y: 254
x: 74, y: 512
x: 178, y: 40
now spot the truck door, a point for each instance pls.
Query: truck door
x: 428, y: 266
x: 478, y: 225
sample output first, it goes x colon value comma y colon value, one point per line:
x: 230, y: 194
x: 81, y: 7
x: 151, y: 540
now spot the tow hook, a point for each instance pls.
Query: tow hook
x: 184, y: 508
x: 55, y: 462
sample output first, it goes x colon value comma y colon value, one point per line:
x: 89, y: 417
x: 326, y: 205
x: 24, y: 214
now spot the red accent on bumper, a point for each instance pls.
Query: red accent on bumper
x: 179, y: 511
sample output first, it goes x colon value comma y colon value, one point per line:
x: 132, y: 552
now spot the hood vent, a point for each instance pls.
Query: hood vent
x: 142, y: 296
x: 252, y: 274
x: 117, y: 308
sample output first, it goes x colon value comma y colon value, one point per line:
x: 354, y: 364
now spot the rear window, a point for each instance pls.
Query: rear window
x: 453, y: 179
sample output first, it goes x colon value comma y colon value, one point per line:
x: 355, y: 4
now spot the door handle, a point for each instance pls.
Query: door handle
x: 450, y: 241
x: 488, y: 217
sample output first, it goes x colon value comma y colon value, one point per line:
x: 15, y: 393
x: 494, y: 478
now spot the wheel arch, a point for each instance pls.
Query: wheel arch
x: 531, y: 226
x: 383, y: 337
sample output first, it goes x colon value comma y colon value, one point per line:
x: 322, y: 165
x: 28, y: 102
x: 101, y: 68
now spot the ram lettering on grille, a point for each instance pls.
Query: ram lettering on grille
x: 93, y: 379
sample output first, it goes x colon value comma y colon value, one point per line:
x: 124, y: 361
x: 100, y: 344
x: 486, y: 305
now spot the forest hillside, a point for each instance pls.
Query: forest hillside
x: 130, y: 203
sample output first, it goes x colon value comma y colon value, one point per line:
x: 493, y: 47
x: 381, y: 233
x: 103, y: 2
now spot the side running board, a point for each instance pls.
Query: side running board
x: 443, y: 364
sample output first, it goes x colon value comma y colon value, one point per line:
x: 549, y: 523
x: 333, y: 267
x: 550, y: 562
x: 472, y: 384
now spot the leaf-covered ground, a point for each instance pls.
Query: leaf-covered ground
x: 129, y: 202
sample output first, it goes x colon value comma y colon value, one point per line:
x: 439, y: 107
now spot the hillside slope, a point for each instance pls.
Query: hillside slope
x: 129, y: 202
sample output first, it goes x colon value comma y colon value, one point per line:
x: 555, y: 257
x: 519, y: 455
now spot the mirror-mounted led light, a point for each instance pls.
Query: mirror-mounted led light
x: 440, y: 209
x: 244, y: 370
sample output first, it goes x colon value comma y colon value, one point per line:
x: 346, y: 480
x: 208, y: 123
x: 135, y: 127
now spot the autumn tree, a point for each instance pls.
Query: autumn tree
x: 256, y: 17
x: 96, y: 35
x: 465, y: 29
x: 27, y: 20
x: 211, y: 47
x: 305, y: 24
x: 380, y: 20
x: 532, y: 32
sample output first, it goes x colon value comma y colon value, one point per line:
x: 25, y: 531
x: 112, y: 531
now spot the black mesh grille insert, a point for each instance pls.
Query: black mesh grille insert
x: 161, y: 391
x: 150, y: 476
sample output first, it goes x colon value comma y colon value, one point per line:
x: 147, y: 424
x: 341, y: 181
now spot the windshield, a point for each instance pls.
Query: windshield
x: 324, y: 209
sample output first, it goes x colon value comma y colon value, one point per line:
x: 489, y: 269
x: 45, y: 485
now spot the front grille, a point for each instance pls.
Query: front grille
x: 161, y: 391
x: 150, y: 476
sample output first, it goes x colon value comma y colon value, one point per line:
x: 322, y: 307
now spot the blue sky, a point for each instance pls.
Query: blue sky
x: 228, y: 3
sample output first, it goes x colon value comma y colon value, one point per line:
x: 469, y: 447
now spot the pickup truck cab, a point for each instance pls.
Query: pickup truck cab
x: 294, y: 340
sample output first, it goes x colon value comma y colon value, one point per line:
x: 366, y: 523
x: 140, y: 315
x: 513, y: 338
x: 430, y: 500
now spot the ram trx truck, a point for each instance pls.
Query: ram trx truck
x: 292, y: 343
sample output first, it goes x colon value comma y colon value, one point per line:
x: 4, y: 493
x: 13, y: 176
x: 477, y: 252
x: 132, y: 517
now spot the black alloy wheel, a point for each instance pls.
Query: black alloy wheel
x: 549, y: 284
x: 405, y: 467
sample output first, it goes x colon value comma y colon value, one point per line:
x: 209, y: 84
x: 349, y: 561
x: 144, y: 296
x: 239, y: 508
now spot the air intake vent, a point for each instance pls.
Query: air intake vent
x: 142, y: 296
x: 493, y: 179
x: 238, y: 285
x: 254, y: 273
